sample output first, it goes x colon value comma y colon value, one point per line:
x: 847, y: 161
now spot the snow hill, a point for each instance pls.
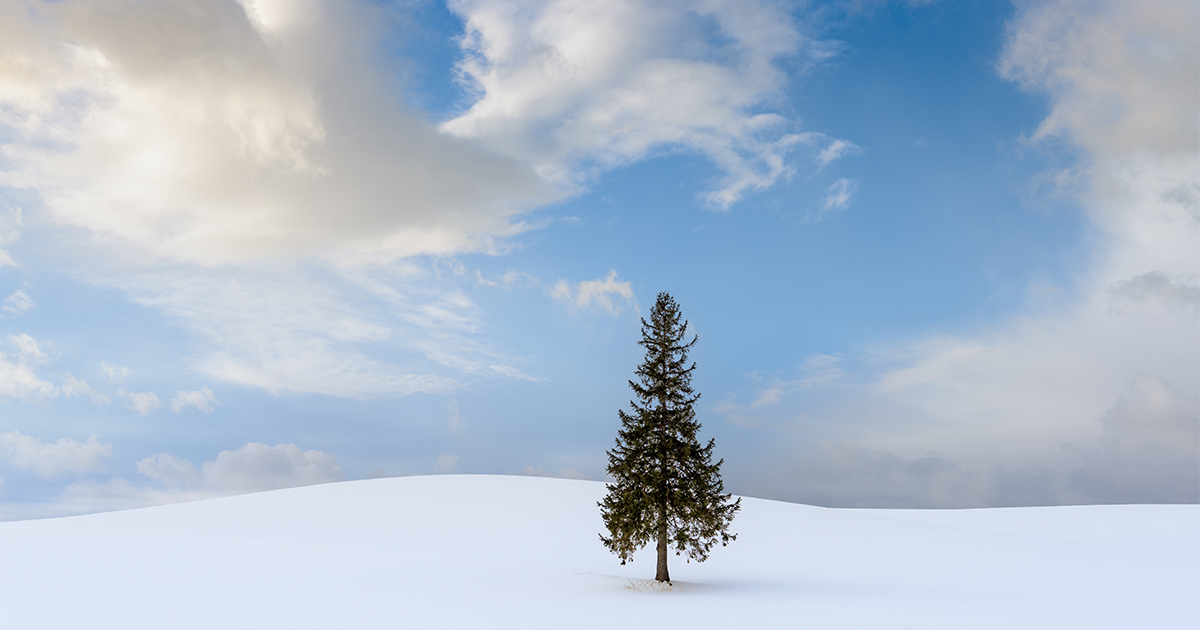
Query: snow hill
x: 466, y: 551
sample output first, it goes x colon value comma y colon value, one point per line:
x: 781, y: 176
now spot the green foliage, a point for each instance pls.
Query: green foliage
x: 665, y: 481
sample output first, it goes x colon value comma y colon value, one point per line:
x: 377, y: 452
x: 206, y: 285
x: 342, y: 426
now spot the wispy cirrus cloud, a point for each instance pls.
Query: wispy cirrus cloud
x: 837, y: 198
x: 578, y: 89
x: 17, y: 303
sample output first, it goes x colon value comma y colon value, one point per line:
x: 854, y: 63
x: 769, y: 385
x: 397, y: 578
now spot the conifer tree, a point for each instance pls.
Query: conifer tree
x: 666, y: 487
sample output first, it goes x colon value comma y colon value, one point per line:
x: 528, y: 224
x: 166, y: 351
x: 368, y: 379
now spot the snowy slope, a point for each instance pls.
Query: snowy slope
x: 468, y: 551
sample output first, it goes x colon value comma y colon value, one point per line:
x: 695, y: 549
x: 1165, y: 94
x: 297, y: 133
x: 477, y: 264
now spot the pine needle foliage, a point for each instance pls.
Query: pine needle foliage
x: 666, y: 487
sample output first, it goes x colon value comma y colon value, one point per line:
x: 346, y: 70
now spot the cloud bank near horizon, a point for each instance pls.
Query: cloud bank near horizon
x: 1092, y: 398
x: 254, y: 467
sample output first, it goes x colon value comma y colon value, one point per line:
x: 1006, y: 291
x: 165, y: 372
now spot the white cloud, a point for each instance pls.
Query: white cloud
x: 1144, y: 452
x: 116, y: 373
x: 1120, y: 74
x: 18, y: 375
x: 10, y: 224
x: 28, y: 350
x: 168, y: 469
x: 836, y: 150
x: 202, y: 399
x: 51, y: 460
x: 608, y: 293
x: 285, y: 329
x: 256, y: 467
x: 251, y: 468
x: 576, y: 88
x: 143, y: 402
x: 1091, y: 398
x: 227, y: 141
x: 1047, y: 378
x: 837, y: 198
x: 17, y: 303
x: 259, y: 183
x: 445, y: 463
x: 253, y: 176
x: 72, y: 387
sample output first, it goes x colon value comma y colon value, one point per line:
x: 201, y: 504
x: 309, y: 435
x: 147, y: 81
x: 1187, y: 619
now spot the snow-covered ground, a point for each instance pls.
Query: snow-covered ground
x: 466, y: 551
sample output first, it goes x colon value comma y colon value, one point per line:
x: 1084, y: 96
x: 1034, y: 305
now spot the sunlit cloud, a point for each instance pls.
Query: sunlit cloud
x: 575, y: 90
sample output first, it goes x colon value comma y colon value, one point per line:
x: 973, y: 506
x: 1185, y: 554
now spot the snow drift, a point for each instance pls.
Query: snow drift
x: 468, y: 551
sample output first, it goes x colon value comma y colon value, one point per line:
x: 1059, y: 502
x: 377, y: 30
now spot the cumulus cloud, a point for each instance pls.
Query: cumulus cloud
x: 143, y: 402
x: 197, y: 132
x: 72, y: 387
x: 18, y: 372
x: 20, y: 377
x: 608, y: 293
x: 168, y: 469
x: 266, y: 190
x: 115, y: 373
x: 257, y: 467
x: 251, y: 468
x: 51, y: 460
x: 445, y: 463
x: 579, y: 88
x: 261, y: 183
x: 202, y: 399
x: 1092, y: 398
x: 28, y: 350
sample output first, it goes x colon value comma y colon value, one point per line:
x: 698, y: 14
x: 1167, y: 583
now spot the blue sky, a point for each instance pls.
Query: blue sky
x: 937, y: 254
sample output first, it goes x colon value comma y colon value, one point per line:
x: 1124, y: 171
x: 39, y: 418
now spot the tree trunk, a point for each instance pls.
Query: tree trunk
x: 662, y: 575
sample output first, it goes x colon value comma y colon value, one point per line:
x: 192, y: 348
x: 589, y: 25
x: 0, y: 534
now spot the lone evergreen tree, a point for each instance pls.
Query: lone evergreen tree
x: 666, y: 487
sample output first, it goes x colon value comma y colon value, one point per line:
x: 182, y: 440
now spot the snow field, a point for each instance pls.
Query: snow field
x: 475, y: 551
